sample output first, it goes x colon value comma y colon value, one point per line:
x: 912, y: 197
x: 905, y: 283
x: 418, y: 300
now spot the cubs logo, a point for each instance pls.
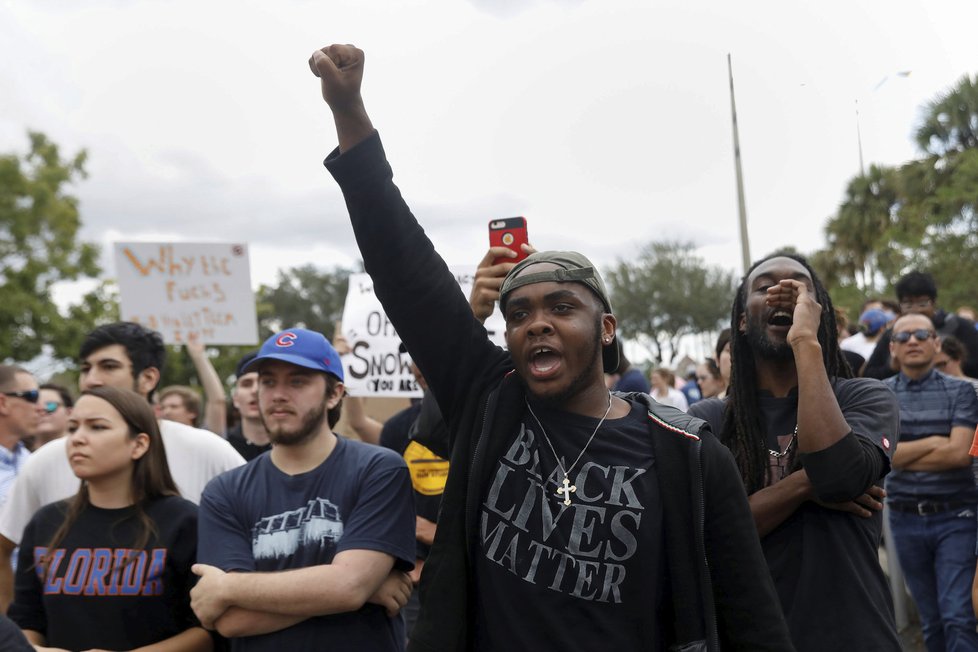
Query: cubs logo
x: 286, y: 340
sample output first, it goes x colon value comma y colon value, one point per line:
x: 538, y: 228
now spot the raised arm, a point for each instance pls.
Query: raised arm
x: 418, y: 292
x: 215, y: 398
x: 340, y: 70
x: 366, y: 427
x: 820, y: 420
x: 489, y: 278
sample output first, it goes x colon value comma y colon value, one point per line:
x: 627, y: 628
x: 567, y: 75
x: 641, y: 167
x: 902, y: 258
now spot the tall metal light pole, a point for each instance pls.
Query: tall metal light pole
x: 741, y: 202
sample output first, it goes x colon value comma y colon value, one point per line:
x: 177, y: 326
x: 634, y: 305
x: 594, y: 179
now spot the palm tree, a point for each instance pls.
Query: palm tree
x: 951, y: 120
x: 861, y: 227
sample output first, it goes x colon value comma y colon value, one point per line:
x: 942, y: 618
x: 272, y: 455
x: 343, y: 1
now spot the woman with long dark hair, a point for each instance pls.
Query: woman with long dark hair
x: 110, y: 568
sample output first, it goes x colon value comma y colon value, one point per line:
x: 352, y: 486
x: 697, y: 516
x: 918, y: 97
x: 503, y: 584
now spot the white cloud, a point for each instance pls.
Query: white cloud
x: 606, y: 123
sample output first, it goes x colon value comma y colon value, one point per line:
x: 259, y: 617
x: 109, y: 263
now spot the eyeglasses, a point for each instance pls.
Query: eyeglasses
x: 923, y: 303
x: 922, y: 335
x: 50, y: 407
x: 30, y: 395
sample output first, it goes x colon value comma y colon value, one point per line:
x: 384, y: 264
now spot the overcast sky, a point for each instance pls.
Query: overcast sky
x: 605, y: 122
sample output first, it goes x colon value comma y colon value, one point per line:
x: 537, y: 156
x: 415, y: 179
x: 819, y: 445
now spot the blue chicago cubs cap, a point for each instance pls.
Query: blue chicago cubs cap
x: 301, y: 347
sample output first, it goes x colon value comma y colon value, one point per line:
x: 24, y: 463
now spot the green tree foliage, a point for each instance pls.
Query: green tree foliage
x: 950, y: 122
x: 668, y: 292
x: 306, y: 297
x: 864, y: 229
x: 921, y: 215
x: 39, y: 247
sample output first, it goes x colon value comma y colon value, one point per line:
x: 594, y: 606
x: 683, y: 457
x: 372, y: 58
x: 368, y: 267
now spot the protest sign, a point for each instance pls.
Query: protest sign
x: 188, y: 290
x: 377, y: 364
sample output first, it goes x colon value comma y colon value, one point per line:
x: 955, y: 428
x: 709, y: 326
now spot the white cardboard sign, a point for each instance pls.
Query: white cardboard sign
x: 375, y: 366
x: 188, y: 290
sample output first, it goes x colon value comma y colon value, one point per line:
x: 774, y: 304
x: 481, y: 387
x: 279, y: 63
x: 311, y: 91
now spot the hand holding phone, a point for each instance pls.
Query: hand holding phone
x: 510, y: 233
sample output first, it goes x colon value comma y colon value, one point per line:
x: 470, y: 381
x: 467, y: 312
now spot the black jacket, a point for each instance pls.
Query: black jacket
x: 721, y: 592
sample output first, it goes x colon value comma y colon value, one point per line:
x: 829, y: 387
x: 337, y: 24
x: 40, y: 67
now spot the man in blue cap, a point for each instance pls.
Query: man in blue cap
x: 873, y: 321
x: 321, y: 526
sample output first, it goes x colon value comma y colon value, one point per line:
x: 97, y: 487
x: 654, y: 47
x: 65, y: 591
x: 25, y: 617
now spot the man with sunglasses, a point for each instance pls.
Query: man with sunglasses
x: 931, y: 492
x: 19, y: 414
x: 55, y: 403
x: 917, y: 293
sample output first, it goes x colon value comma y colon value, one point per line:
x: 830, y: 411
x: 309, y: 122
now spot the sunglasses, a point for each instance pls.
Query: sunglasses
x: 922, y: 335
x: 50, y: 407
x: 30, y: 395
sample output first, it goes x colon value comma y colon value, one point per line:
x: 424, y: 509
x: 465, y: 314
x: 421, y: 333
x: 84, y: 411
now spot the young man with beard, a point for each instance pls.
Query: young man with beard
x: 571, y: 519
x: 812, y: 444
x: 303, y: 548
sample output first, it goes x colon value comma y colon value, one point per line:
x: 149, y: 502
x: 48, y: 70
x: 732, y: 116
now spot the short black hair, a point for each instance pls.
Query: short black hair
x: 143, y: 346
x: 334, y: 413
x: 62, y: 392
x: 954, y: 348
x: 916, y: 284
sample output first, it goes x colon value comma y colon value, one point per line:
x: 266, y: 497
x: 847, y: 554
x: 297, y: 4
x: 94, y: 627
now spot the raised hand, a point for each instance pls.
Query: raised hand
x: 806, y: 313
x: 489, y: 278
x: 340, y: 72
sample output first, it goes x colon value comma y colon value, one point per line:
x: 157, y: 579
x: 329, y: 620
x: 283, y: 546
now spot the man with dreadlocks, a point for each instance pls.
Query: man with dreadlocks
x: 812, y: 443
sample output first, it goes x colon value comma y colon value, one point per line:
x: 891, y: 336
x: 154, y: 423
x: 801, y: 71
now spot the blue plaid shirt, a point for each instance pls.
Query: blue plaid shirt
x: 932, y: 406
x: 10, y: 463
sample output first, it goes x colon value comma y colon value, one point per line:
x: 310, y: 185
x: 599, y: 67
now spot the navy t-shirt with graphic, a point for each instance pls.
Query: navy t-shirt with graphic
x: 552, y: 576
x: 257, y: 518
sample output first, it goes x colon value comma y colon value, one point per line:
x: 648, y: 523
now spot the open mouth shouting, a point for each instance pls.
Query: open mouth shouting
x: 780, y: 320
x: 544, y: 362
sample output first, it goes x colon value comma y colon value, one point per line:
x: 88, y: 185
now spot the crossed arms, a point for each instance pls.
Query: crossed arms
x: 248, y: 604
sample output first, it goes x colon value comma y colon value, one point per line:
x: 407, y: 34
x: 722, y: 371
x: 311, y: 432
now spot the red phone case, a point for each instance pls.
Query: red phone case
x: 510, y: 233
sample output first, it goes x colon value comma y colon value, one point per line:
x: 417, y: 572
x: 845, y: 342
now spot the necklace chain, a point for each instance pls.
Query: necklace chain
x: 567, y: 488
x: 787, y: 449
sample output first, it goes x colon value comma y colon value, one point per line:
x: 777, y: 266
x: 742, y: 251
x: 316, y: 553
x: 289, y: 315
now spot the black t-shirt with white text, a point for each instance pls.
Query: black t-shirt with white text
x: 554, y: 576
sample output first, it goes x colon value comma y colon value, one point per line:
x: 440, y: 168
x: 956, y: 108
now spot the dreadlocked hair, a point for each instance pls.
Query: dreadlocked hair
x: 744, y: 430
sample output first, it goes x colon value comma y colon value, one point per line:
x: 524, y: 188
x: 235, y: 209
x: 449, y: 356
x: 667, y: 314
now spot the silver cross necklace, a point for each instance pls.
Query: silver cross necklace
x: 567, y: 488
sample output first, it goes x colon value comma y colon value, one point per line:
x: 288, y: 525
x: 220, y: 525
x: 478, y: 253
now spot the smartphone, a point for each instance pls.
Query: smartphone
x: 509, y: 233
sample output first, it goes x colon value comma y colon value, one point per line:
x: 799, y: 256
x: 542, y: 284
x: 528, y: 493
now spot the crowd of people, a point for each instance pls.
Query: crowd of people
x: 549, y: 495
